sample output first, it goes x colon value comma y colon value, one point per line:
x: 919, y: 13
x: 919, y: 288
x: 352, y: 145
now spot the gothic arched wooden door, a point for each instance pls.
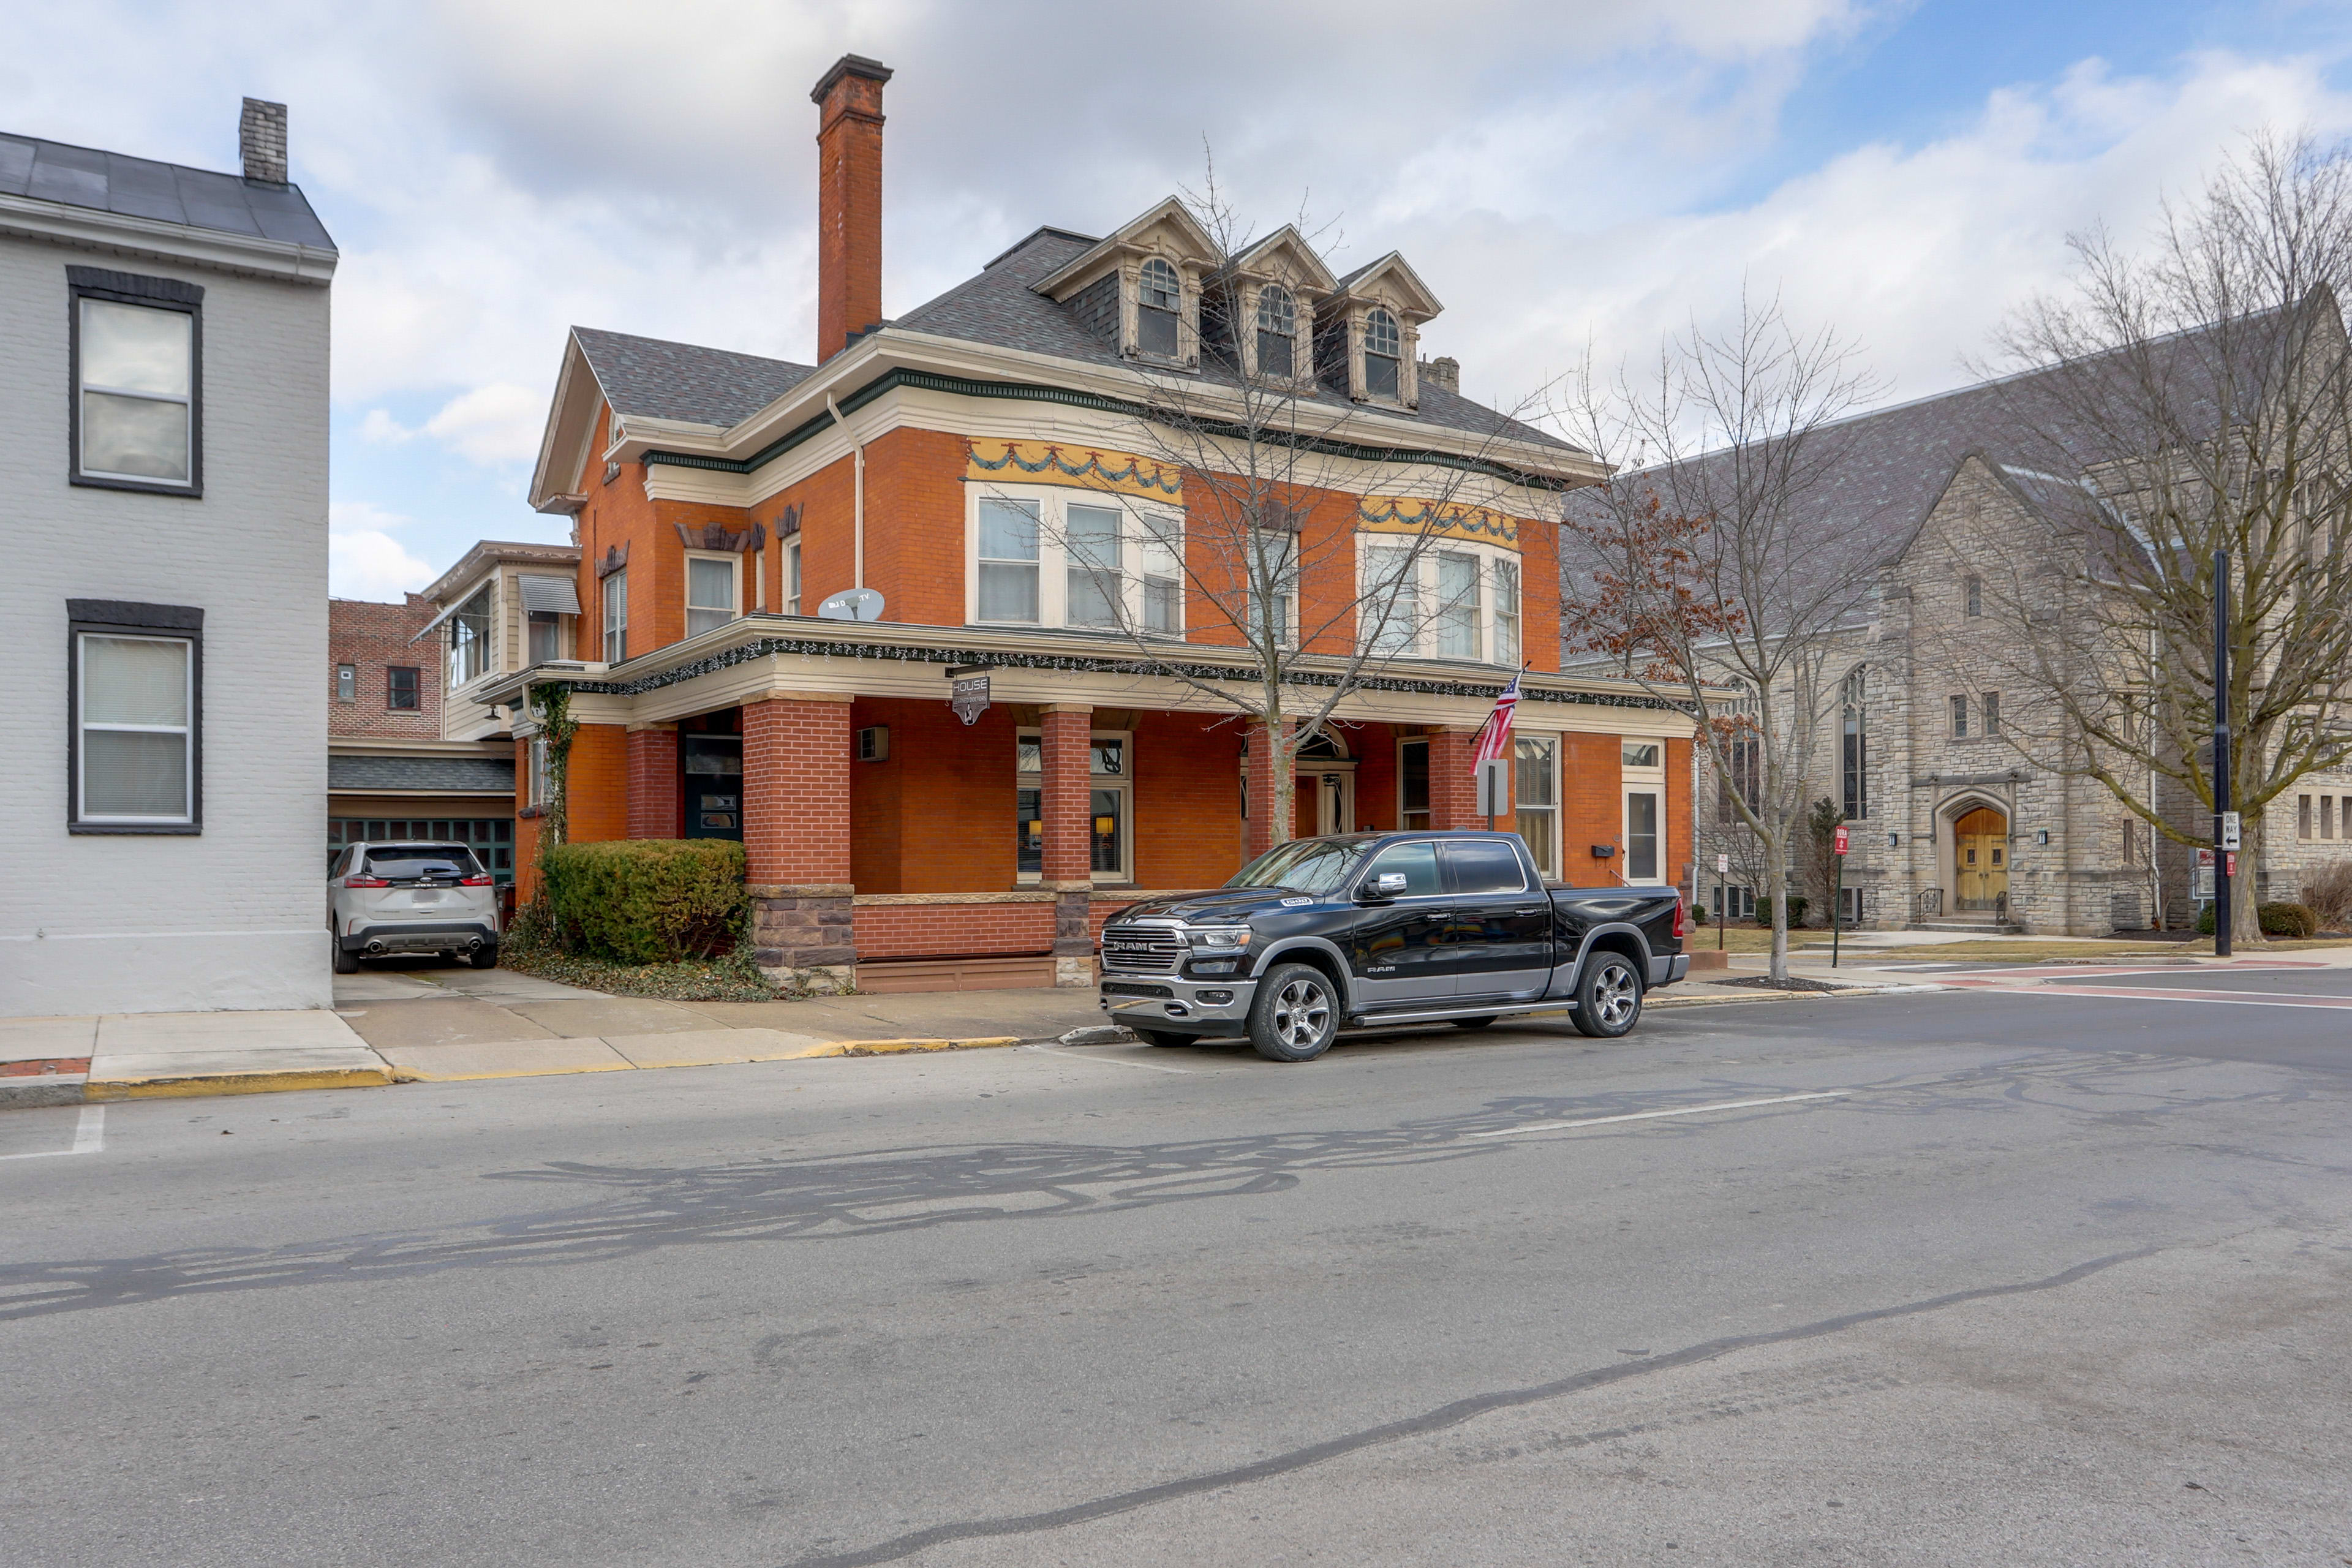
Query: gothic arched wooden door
x: 1981, y: 860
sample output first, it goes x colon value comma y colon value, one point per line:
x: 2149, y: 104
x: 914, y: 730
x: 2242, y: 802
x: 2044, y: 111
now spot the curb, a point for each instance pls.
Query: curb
x: 898, y: 1047
x: 28, y: 1090
x: 103, y: 1092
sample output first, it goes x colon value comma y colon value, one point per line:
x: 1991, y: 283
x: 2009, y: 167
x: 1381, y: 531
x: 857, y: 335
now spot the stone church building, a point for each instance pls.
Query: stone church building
x: 1932, y: 746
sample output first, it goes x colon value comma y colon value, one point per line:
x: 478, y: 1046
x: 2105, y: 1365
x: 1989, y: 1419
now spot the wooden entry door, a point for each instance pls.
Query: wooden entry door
x: 1322, y: 804
x: 1981, y: 860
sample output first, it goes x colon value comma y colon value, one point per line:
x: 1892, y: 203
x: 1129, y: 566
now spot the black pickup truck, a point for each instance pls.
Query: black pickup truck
x: 1365, y: 929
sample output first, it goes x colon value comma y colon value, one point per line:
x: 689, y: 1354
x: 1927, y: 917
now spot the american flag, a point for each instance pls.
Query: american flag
x: 1495, y: 735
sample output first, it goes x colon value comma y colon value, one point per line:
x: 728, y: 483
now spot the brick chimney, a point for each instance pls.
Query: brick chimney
x: 261, y: 138
x: 848, y: 201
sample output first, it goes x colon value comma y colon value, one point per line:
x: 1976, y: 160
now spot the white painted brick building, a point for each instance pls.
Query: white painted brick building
x: 163, y: 351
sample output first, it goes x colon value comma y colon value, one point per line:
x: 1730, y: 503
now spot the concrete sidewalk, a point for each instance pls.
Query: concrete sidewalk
x: 146, y: 1056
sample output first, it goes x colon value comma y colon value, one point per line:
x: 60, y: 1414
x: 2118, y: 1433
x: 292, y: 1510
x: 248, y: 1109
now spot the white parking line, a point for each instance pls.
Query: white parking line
x: 1653, y: 1115
x: 1107, y: 1061
x: 90, y: 1136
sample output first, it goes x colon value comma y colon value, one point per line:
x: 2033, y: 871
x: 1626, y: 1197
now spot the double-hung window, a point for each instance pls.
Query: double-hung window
x: 1451, y: 603
x: 401, y: 687
x: 1092, y: 550
x: 711, y: 596
x: 1507, y: 612
x: 1008, y: 560
x: 1391, y: 598
x: 136, y: 686
x: 615, y: 593
x: 1277, y: 332
x: 1160, y: 302
x: 546, y: 637
x: 1538, y: 799
x: 1163, y: 577
x: 1273, y: 583
x: 137, y: 392
x: 1383, y: 356
x: 469, y: 640
x: 1458, y: 605
x: 792, y: 576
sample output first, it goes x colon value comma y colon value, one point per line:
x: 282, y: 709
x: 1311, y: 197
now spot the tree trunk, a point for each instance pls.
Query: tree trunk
x: 2245, y: 904
x: 1776, y: 882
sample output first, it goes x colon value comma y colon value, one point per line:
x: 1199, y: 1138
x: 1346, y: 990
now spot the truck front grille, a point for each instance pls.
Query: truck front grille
x: 1141, y: 950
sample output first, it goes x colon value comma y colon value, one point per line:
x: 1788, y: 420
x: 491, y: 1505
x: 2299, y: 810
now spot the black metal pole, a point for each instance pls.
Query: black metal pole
x: 1837, y: 912
x: 2221, y: 912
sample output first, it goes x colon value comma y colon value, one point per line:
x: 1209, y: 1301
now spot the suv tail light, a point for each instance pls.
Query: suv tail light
x: 476, y: 881
x: 362, y: 880
x: 1678, y: 916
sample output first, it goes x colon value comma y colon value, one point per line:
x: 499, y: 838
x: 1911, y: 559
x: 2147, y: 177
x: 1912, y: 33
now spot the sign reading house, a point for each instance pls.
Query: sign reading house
x: 969, y: 697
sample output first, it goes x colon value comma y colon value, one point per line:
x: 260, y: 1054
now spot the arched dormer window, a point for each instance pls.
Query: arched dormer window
x: 1160, y: 305
x: 1384, y: 354
x: 1277, y: 332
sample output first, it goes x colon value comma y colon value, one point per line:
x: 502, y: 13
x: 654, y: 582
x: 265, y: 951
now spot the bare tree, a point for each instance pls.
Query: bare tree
x: 1706, y: 572
x: 2197, y: 398
x: 1311, y: 555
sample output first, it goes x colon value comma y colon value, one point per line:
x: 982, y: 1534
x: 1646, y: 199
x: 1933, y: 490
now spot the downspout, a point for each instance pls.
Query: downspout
x: 858, y: 505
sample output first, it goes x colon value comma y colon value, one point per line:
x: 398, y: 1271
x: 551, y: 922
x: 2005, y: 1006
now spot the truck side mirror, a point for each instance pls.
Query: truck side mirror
x: 1387, y: 885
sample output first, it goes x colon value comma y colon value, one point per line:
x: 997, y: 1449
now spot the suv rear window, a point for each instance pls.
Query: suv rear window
x: 411, y: 861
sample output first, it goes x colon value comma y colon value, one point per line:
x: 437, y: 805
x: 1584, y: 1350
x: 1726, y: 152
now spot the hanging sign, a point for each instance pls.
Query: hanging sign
x: 969, y: 697
x: 1838, y: 843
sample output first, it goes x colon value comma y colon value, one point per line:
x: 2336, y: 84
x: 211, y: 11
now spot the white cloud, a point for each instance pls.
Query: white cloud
x: 364, y: 561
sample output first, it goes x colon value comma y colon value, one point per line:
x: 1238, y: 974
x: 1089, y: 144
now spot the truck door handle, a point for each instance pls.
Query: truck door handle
x: 1530, y: 912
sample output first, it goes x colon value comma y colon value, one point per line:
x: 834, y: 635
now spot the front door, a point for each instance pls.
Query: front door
x: 713, y: 770
x: 1323, y: 803
x: 1981, y: 860
x: 1397, y: 951
x: 1501, y: 921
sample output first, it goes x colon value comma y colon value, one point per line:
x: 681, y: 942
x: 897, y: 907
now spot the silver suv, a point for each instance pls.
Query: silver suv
x: 411, y: 895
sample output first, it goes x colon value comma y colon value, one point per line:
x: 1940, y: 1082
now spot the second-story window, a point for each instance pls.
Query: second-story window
x: 1008, y: 560
x: 1163, y: 581
x: 135, y: 394
x: 1278, y: 332
x: 1051, y: 559
x: 546, y: 637
x: 1094, y: 555
x: 792, y: 576
x: 616, y: 617
x: 710, y: 597
x: 1959, y: 717
x: 1855, y: 746
x: 1458, y: 605
x: 469, y: 640
x: 400, y: 687
x: 1507, y: 612
x: 1159, y: 304
x: 1460, y: 602
x: 1383, y: 350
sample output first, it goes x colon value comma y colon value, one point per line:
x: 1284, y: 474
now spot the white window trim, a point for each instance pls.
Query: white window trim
x: 790, y: 586
x: 488, y: 593
x: 604, y: 597
x: 1124, y: 783
x: 1424, y: 642
x: 734, y: 606
x: 1634, y: 780
x: 1142, y: 519
x: 82, y: 815
x: 1555, y: 810
x: 191, y: 453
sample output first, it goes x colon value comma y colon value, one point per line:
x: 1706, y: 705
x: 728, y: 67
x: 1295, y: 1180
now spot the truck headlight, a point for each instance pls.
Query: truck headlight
x: 1237, y: 936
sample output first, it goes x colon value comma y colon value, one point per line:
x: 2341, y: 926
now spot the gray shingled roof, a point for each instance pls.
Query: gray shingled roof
x: 1002, y: 306
x: 717, y: 386
x: 679, y: 381
x: 455, y: 775
x: 142, y: 187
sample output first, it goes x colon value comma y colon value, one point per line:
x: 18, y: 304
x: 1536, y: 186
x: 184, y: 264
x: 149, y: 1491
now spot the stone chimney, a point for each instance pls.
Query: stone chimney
x: 848, y: 201
x: 261, y: 138
x: 1444, y: 370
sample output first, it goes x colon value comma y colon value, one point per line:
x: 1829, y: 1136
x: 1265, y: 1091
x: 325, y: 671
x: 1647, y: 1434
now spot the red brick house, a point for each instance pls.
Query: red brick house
x: 720, y: 499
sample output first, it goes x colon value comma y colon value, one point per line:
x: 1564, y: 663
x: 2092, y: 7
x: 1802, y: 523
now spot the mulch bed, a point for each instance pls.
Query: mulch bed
x: 729, y: 979
x: 1794, y: 982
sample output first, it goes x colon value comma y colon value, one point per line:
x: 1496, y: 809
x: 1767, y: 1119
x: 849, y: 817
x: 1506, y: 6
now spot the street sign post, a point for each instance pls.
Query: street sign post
x: 1495, y: 790
x: 2231, y: 829
x: 1837, y: 899
x: 1722, y: 896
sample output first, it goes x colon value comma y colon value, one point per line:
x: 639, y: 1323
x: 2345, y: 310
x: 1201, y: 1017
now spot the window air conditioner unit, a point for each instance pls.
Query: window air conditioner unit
x: 874, y: 743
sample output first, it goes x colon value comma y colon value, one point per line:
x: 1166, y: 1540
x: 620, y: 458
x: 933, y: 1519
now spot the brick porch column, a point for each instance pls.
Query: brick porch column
x: 1065, y: 741
x: 1453, y: 780
x: 796, y: 758
x: 1264, y: 831
x: 653, y: 781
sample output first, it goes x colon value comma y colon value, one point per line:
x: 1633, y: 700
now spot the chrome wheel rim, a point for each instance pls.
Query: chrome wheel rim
x: 1614, y: 995
x: 1301, y: 1013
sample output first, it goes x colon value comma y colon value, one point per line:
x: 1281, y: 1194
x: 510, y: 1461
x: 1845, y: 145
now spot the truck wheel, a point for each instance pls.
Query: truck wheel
x: 1608, y: 997
x: 1473, y: 1022
x: 1165, y: 1037
x: 346, y: 961
x: 1295, y: 1015
x: 483, y: 957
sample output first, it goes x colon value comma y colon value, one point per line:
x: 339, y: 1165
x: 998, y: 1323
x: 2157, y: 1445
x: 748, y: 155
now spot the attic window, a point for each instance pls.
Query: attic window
x: 1157, y: 306
x: 1383, y: 348
x: 1278, y: 332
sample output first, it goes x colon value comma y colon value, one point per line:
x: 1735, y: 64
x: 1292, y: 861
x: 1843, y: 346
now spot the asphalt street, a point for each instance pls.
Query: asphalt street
x: 1989, y: 1277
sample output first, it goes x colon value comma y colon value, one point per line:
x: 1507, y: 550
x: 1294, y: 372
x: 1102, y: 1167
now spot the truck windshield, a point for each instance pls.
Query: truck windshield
x: 1306, y: 865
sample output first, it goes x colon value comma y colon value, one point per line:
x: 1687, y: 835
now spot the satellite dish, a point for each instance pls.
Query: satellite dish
x: 855, y: 605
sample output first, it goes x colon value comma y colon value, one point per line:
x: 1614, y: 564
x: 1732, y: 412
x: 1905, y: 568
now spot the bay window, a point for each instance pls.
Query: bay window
x: 135, y: 685
x: 1049, y: 558
x: 1459, y: 602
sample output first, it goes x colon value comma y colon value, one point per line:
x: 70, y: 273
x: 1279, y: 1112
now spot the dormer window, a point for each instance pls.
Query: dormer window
x: 1160, y: 306
x: 1384, y: 356
x: 1277, y: 332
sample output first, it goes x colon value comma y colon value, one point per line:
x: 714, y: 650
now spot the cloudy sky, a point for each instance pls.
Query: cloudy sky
x: 1561, y: 172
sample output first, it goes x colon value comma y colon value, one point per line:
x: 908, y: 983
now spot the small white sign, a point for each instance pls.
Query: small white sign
x: 2230, y: 830
x: 1495, y: 788
x: 1722, y: 864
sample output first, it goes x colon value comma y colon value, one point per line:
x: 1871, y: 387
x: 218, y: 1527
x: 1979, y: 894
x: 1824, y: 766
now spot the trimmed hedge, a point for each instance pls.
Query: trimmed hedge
x: 2276, y: 920
x: 1796, y: 911
x: 647, y: 900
